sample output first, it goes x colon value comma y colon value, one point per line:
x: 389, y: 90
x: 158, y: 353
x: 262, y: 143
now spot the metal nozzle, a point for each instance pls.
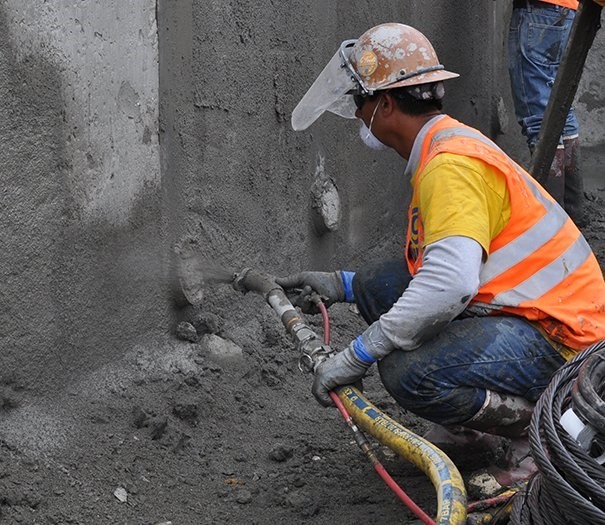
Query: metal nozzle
x: 238, y: 278
x: 249, y: 280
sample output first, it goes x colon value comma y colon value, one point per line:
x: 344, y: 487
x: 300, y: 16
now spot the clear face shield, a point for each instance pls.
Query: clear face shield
x: 332, y: 91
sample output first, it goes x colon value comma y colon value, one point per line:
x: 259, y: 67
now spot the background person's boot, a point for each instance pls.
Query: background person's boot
x: 574, y: 198
x: 554, y: 182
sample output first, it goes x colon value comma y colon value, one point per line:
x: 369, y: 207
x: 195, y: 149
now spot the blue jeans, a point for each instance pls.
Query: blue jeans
x: 536, y: 41
x: 446, y: 378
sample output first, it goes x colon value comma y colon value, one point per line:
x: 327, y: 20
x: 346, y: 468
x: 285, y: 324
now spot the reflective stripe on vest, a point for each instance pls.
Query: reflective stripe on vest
x: 526, y: 272
x: 548, y: 277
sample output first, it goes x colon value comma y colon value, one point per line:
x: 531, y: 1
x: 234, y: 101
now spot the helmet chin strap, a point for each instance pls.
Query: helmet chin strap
x: 374, y: 113
x: 368, y: 138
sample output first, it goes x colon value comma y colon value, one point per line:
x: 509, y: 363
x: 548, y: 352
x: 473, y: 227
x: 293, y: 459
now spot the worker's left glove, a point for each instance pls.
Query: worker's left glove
x: 343, y: 368
x: 300, y: 286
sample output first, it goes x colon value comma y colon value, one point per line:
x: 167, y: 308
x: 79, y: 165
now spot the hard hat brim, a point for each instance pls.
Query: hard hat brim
x: 423, y: 78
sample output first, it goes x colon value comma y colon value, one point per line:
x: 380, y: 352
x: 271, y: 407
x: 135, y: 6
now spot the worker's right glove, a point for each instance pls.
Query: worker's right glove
x: 342, y: 368
x: 300, y: 286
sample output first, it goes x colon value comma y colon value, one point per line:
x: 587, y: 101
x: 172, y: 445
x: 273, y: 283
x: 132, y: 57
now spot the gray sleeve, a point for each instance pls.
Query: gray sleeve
x: 439, y: 292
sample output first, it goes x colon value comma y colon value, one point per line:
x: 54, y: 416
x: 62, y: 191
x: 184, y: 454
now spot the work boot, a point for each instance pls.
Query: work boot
x: 467, y: 448
x: 455, y: 437
x: 517, y: 464
x: 554, y: 182
x: 574, y: 197
x: 503, y: 414
x: 508, y: 416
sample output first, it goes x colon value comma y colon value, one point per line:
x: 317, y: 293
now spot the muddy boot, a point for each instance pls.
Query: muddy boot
x: 554, y: 182
x: 507, y: 416
x: 467, y: 448
x: 574, y: 198
x: 503, y: 414
x: 516, y: 467
x: 454, y: 439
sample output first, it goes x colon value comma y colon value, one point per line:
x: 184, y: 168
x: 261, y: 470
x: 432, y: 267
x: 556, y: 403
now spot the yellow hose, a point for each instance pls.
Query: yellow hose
x: 451, y: 493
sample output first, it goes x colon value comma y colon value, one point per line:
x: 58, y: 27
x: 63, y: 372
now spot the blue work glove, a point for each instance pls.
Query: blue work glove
x: 328, y: 285
x: 342, y: 368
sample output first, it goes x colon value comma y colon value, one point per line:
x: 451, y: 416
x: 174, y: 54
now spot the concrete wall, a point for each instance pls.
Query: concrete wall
x: 80, y: 196
x: 232, y: 72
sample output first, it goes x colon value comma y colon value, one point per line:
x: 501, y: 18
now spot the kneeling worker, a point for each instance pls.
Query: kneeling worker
x: 498, y: 287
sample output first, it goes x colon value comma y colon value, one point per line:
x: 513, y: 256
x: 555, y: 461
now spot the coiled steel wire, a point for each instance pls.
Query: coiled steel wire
x: 569, y: 487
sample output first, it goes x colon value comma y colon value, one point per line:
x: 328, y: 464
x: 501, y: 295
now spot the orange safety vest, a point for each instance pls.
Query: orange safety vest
x: 539, y: 266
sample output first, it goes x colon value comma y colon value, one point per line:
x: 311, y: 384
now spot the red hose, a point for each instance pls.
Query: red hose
x: 326, y: 321
x: 495, y: 501
x: 378, y: 467
x: 386, y: 477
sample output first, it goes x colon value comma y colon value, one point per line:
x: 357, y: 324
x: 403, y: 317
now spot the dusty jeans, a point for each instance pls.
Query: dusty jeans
x: 537, y: 38
x: 446, y: 378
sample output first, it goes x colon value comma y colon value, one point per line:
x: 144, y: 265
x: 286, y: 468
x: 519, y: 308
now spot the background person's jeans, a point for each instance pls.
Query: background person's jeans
x: 446, y: 378
x: 536, y: 41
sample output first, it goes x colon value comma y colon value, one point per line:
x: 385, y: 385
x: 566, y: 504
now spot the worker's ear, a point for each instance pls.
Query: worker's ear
x: 387, y: 105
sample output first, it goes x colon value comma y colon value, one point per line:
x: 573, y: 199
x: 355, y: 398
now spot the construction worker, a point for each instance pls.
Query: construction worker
x: 497, y: 287
x: 537, y: 37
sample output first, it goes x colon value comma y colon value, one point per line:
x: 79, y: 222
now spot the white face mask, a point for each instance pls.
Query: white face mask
x: 369, y: 139
x: 366, y: 135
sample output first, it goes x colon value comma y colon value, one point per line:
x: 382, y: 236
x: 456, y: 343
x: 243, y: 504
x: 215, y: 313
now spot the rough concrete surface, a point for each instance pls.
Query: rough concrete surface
x: 130, y: 127
x: 81, y: 253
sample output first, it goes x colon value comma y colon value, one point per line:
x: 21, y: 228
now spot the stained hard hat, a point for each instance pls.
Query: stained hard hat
x: 386, y: 56
x: 395, y: 55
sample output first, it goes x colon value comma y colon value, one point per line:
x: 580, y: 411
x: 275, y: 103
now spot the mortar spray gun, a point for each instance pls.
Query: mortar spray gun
x: 313, y: 351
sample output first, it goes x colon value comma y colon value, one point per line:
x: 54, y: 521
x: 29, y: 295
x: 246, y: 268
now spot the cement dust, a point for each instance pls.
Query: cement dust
x: 196, y: 272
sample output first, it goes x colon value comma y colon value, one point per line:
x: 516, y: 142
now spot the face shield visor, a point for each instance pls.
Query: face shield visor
x: 332, y: 91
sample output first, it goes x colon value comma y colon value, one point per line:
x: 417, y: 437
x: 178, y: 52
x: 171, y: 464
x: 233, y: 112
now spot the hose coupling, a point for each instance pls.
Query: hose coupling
x: 312, y: 355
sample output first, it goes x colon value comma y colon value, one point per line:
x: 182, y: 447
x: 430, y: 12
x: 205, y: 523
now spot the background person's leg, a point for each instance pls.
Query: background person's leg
x: 555, y: 181
x: 537, y: 39
x: 574, y: 198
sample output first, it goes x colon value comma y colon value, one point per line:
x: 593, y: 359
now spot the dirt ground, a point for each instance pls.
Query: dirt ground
x: 222, y: 430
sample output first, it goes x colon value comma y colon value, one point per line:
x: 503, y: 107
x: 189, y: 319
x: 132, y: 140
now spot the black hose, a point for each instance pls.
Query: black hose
x: 569, y: 487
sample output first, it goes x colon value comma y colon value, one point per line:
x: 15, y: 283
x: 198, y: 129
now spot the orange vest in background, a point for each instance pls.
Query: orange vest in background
x: 572, y: 4
x: 539, y: 267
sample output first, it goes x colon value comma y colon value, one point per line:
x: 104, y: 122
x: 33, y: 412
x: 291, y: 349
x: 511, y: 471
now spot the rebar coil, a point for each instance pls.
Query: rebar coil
x: 569, y: 487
